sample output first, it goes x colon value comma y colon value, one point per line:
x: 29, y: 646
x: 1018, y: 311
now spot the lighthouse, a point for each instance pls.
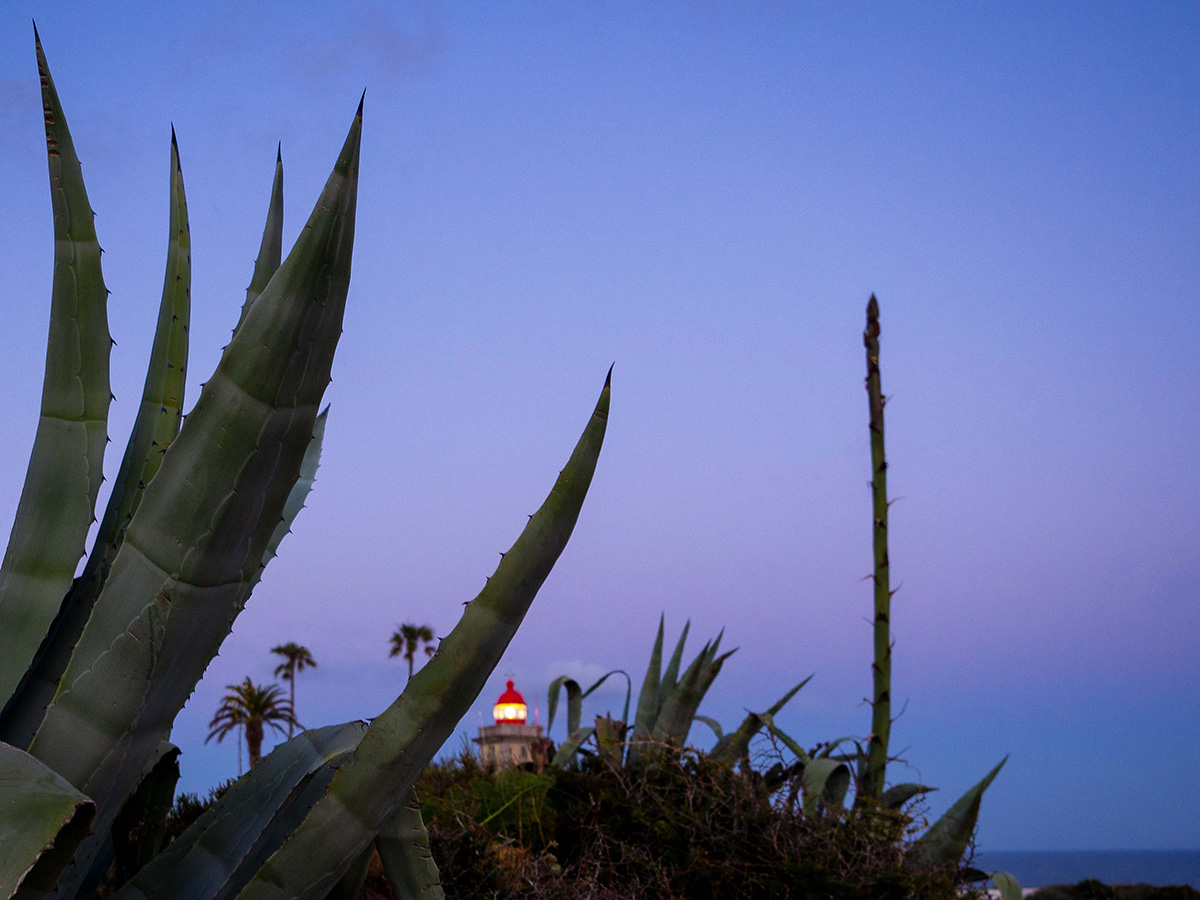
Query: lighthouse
x: 510, y: 741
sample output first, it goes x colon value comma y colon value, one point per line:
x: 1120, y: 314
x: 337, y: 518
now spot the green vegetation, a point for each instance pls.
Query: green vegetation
x: 690, y: 828
x: 93, y: 671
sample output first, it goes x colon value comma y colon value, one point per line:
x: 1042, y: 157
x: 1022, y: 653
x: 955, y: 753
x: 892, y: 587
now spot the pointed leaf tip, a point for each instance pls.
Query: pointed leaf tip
x: 608, y: 377
x: 279, y: 153
x: 360, y: 103
x: 348, y: 158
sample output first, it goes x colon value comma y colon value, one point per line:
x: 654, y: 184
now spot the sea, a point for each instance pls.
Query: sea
x: 1040, y: 869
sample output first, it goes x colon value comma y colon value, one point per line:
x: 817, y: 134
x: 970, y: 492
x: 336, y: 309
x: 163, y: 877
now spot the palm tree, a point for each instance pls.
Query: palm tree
x: 296, y: 658
x: 252, y: 706
x: 407, y: 640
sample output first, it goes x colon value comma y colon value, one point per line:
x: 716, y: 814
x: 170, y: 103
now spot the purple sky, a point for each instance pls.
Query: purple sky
x: 705, y: 194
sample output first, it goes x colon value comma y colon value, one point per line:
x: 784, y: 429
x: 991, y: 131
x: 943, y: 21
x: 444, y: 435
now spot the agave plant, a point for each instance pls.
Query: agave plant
x: 666, y: 710
x: 94, y: 670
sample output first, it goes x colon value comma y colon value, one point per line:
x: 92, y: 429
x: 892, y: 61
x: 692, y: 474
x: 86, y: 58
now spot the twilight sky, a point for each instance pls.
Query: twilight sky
x: 706, y: 195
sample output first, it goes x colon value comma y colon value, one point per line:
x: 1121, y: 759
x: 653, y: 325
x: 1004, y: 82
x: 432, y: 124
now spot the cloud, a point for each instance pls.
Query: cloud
x: 366, y: 42
x: 377, y: 43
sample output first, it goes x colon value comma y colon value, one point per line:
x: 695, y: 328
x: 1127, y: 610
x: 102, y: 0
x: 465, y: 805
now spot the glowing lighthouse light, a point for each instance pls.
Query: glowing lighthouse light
x: 510, y: 708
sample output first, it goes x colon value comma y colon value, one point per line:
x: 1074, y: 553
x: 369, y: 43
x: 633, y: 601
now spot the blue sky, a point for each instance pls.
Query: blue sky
x: 706, y: 195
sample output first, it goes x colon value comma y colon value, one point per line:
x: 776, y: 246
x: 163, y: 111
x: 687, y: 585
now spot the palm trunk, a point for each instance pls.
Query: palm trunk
x: 292, y: 679
x: 254, y: 739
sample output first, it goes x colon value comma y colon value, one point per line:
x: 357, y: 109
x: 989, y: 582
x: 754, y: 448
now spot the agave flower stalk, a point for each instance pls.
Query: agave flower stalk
x: 881, y: 704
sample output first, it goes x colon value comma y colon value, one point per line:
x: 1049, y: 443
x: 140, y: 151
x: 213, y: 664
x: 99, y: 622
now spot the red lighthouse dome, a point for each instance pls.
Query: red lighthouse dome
x: 510, y: 707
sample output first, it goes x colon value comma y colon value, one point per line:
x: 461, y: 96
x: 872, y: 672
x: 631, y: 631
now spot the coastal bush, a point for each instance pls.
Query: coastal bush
x: 689, y: 828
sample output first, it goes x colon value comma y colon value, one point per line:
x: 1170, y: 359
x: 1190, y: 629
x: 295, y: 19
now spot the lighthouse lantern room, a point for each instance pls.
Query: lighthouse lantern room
x: 510, y: 741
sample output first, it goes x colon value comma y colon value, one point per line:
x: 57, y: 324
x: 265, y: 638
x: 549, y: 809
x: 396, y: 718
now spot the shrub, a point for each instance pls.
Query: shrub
x: 695, y: 828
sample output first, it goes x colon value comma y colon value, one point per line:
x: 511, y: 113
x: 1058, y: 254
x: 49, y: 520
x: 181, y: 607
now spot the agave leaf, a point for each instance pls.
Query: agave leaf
x: 708, y: 675
x: 400, y: 742
x: 712, y: 668
x: 898, y: 794
x: 833, y: 795
x: 154, y: 429
x: 296, y: 497
x: 139, y: 829
x: 647, y: 708
x: 287, y: 818
x: 946, y: 840
x: 675, y: 718
x: 575, y: 696
x: 715, y: 646
x: 403, y: 845
x: 830, y: 747
x: 731, y: 747
x: 42, y: 820
x: 64, y: 474
x: 249, y: 821
x: 610, y: 738
x: 568, y: 748
x: 574, y: 702
x: 1010, y: 888
x: 161, y: 411
x: 787, y: 741
x: 270, y: 252
x: 861, y: 760
x: 104, y: 858
x: 825, y: 782
x: 201, y: 531
x: 671, y: 692
x: 734, y: 746
x: 628, y: 689
x: 350, y: 884
x: 671, y: 673
x: 713, y: 724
